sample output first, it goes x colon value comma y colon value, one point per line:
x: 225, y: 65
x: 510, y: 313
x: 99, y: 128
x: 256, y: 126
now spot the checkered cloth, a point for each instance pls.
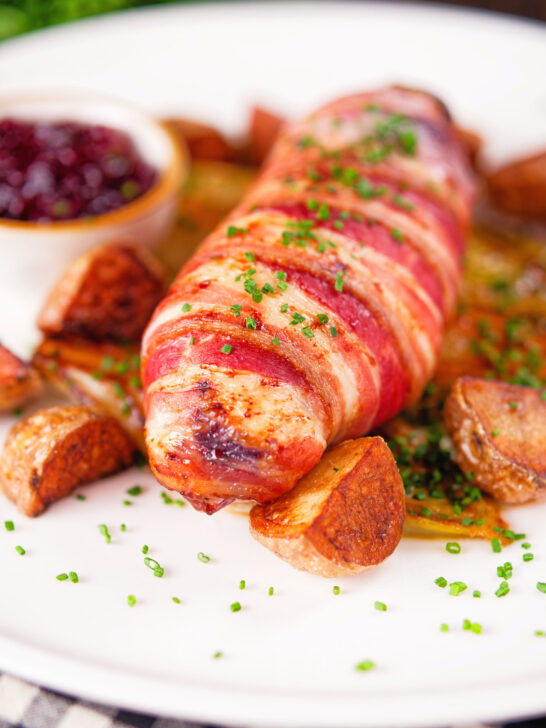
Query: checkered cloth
x: 23, y: 705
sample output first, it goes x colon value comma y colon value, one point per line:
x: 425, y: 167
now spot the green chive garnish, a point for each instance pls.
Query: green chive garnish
x: 365, y: 666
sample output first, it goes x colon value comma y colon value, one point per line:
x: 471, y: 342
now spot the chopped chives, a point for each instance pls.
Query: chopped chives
x: 525, y: 545
x: 203, y: 558
x: 123, y: 527
x: 80, y: 497
x: 477, y: 594
x: 235, y: 607
x: 453, y: 547
x: 217, y: 655
x: 226, y: 349
x: 9, y: 525
x: 154, y: 565
x: 73, y: 577
x: 496, y: 545
x: 441, y: 582
x: 20, y: 550
x: 186, y: 307
x: 541, y: 586
x: 145, y: 549
x: 232, y: 231
x: 338, y: 285
x: 503, y: 589
x: 444, y: 627
x: 242, y: 584
x: 103, y: 530
x: 270, y: 591
x: 135, y: 490
x: 176, y: 600
x: 456, y: 588
x: 131, y: 600
x: 335, y: 590
x: 61, y: 577
x: 528, y: 557
x: 380, y: 606
x: 365, y: 666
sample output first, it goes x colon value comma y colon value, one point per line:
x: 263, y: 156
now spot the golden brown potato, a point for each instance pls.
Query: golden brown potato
x: 499, y: 432
x: 101, y: 375
x: 203, y: 141
x: 520, y: 187
x: 108, y: 293
x: 264, y: 129
x: 344, y: 516
x: 18, y: 381
x: 211, y: 191
x: 472, y: 144
x: 56, y: 449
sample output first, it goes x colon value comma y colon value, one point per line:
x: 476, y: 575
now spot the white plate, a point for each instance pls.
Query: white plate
x: 288, y: 659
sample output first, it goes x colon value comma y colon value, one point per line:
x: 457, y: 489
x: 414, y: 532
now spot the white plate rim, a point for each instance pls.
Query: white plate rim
x: 59, y: 673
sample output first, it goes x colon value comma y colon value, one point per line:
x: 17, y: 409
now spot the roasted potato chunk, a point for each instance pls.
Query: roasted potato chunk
x: 53, y: 451
x: 499, y: 432
x: 211, y: 191
x: 18, y: 381
x: 203, y: 141
x: 108, y: 293
x: 472, y: 144
x: 264, y: 129
x: 101, y: 375
x: 520, y: 187
x: 345, y: 516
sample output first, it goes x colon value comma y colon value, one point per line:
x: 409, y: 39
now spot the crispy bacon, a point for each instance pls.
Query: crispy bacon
x: 317, y: 309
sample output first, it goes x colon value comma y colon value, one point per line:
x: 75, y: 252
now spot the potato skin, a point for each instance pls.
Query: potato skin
x: 77, y: 369
x: 337, y: 522
x: 502, y: 444
x: 18, y: 381
x: 56, y: 449
x: 520, y: 187
x: 108, y: 293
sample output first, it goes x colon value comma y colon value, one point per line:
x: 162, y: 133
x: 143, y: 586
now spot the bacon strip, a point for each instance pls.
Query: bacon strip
x: 316, y: 311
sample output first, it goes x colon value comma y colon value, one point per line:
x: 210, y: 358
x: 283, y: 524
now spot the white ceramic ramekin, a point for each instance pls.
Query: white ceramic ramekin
x: 33, y: 255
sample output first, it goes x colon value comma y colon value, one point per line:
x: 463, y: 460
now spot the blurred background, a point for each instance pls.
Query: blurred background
x: 21, y: 16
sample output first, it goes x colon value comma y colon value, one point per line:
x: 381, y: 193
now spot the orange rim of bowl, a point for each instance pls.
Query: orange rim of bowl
x: 170, y: 179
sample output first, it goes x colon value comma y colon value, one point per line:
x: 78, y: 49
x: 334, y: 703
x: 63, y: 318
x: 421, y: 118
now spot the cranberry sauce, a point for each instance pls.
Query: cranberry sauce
x: 66, y: 170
